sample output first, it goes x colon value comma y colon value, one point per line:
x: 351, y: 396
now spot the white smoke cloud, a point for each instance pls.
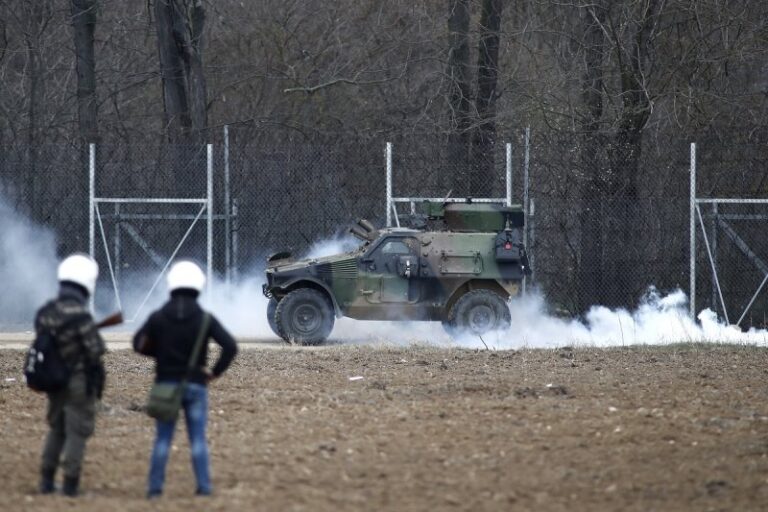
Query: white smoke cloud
x: 241, y: 307
x: 27, y: 267
x: 660, y: 319
x: 28, y: 273
x: 336, y: 245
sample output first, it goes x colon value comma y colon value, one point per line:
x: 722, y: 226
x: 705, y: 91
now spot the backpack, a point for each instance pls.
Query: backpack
x: 44, y: 367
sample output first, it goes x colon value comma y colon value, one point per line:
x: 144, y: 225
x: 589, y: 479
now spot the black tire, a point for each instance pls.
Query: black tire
x: 305, y: 316
x: 478, y: 312
x: 449, y: 328
x: 271, y: 309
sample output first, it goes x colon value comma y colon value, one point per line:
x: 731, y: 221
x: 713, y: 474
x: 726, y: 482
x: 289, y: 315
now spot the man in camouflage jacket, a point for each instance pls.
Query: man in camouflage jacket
x: 72, y: 410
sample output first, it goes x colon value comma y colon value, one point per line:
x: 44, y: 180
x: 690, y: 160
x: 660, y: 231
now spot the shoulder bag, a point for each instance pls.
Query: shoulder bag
x: 164, y: 401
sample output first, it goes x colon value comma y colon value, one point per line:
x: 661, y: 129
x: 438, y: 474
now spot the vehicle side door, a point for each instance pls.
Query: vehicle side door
x: 390, y: 272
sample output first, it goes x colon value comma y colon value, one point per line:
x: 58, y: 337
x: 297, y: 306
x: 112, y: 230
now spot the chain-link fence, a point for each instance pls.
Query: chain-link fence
x: 609, y: 220
x: 731, y: 220
x: 606, y: 221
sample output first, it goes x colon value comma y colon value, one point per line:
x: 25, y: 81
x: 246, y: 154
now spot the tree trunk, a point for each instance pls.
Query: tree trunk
x: 636, y: 103
x: 594, y: 52
x: 180, y: 26
x: 3, y: 51
x: 624, y: 157
x: 197, y: 89
x: 590, y: 267
x: 84, y: 25
x: 484, y: 141
x: 454, y: 176
x: 38, y: 17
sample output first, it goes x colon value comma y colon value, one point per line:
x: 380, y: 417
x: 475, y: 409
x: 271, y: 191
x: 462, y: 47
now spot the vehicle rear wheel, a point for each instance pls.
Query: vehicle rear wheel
x: 304, y: 316
x: 478, y: 312
x: 271, y: 309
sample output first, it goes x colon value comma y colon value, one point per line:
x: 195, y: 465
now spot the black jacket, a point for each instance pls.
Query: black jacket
x: 170, y: 334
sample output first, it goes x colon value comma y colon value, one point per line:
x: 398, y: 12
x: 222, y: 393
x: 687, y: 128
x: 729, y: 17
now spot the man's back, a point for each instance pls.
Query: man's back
x: 68, y: 319
x: 169, y: 335
x: 71, y: 411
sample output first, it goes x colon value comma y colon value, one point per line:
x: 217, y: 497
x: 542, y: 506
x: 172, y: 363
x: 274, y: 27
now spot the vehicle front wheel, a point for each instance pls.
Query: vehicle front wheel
x: 271, y: 310
x: 478, y: 312
x: 304, y: 316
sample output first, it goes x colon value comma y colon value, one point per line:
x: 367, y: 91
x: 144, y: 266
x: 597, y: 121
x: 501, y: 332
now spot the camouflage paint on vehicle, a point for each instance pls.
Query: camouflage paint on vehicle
x: 408, y: 274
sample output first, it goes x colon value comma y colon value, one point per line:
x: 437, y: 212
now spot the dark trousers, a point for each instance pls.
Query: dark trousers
x: 71, y: 417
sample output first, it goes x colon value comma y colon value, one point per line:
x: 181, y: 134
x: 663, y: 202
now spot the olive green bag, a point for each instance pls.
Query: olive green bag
x: 164, y: 402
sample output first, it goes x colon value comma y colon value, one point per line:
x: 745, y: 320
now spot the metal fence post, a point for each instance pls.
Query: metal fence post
x: 509, y: 174
x: 235, y: 239
x: 692, y: 285
x: 91, y: 199
x: 210, y: 218
x: 227, y: 213
x: 713, y: 245
x: 532, y: 237
x: 526, y: 208
x: 388, y: 156
x: 118, y: 245
x: 91, y: 207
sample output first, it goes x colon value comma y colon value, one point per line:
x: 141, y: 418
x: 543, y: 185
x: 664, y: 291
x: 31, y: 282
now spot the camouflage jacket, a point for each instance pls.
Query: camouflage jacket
x: 77, y: 338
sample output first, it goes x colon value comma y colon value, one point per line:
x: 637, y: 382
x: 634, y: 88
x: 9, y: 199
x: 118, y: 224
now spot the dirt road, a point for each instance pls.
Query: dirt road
x: 664, y: 428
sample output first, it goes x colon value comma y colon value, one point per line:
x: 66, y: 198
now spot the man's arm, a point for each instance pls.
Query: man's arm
x: 142, y: 342
x: 228, y: 346
x: 93, y: 343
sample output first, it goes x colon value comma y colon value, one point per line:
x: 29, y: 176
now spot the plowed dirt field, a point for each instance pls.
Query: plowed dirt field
x: 647, y: 428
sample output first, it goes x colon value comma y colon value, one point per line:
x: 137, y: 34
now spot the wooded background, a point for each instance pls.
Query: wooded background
x: 177, y: 70
x: 612, y: 90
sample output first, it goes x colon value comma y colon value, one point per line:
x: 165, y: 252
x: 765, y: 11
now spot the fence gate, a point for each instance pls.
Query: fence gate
x: 124, y: 227
x: 732, y: 234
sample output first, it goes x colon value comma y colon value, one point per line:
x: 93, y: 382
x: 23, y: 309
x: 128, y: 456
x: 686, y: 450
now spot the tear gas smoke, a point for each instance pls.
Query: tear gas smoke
x: 27, y: 267
x: 336, y: 245
x: 660, y: 319
x: 242, y: 308
x: 28, y: 272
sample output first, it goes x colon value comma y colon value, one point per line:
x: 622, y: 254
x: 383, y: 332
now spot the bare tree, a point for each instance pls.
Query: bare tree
x: 634, y: 57
x: 34, y: 19
x: 84, y: 26
x: 484, y: 140
x: 590, y: 257
x: 459, y: 96
x: 180, y: 26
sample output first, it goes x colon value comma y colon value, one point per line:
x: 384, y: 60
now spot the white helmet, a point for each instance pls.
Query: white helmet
x: 185, y: 274
x: 79, y: 269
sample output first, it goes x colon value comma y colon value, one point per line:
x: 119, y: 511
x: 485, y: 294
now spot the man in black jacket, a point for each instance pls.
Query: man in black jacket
x: 169, y: 336
x: 72, y: 410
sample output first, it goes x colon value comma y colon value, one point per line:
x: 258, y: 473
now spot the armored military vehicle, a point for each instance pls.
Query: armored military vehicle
x: 460, y: 269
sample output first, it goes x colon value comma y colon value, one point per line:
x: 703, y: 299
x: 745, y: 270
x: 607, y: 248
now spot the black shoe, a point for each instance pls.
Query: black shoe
x: 71, y: 485
x: 151, y: 495
x: 201, y: 492
x: 46, y: 481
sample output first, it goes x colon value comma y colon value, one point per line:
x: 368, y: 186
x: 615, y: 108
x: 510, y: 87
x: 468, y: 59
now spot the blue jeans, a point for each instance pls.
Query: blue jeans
x: 195, y: 405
